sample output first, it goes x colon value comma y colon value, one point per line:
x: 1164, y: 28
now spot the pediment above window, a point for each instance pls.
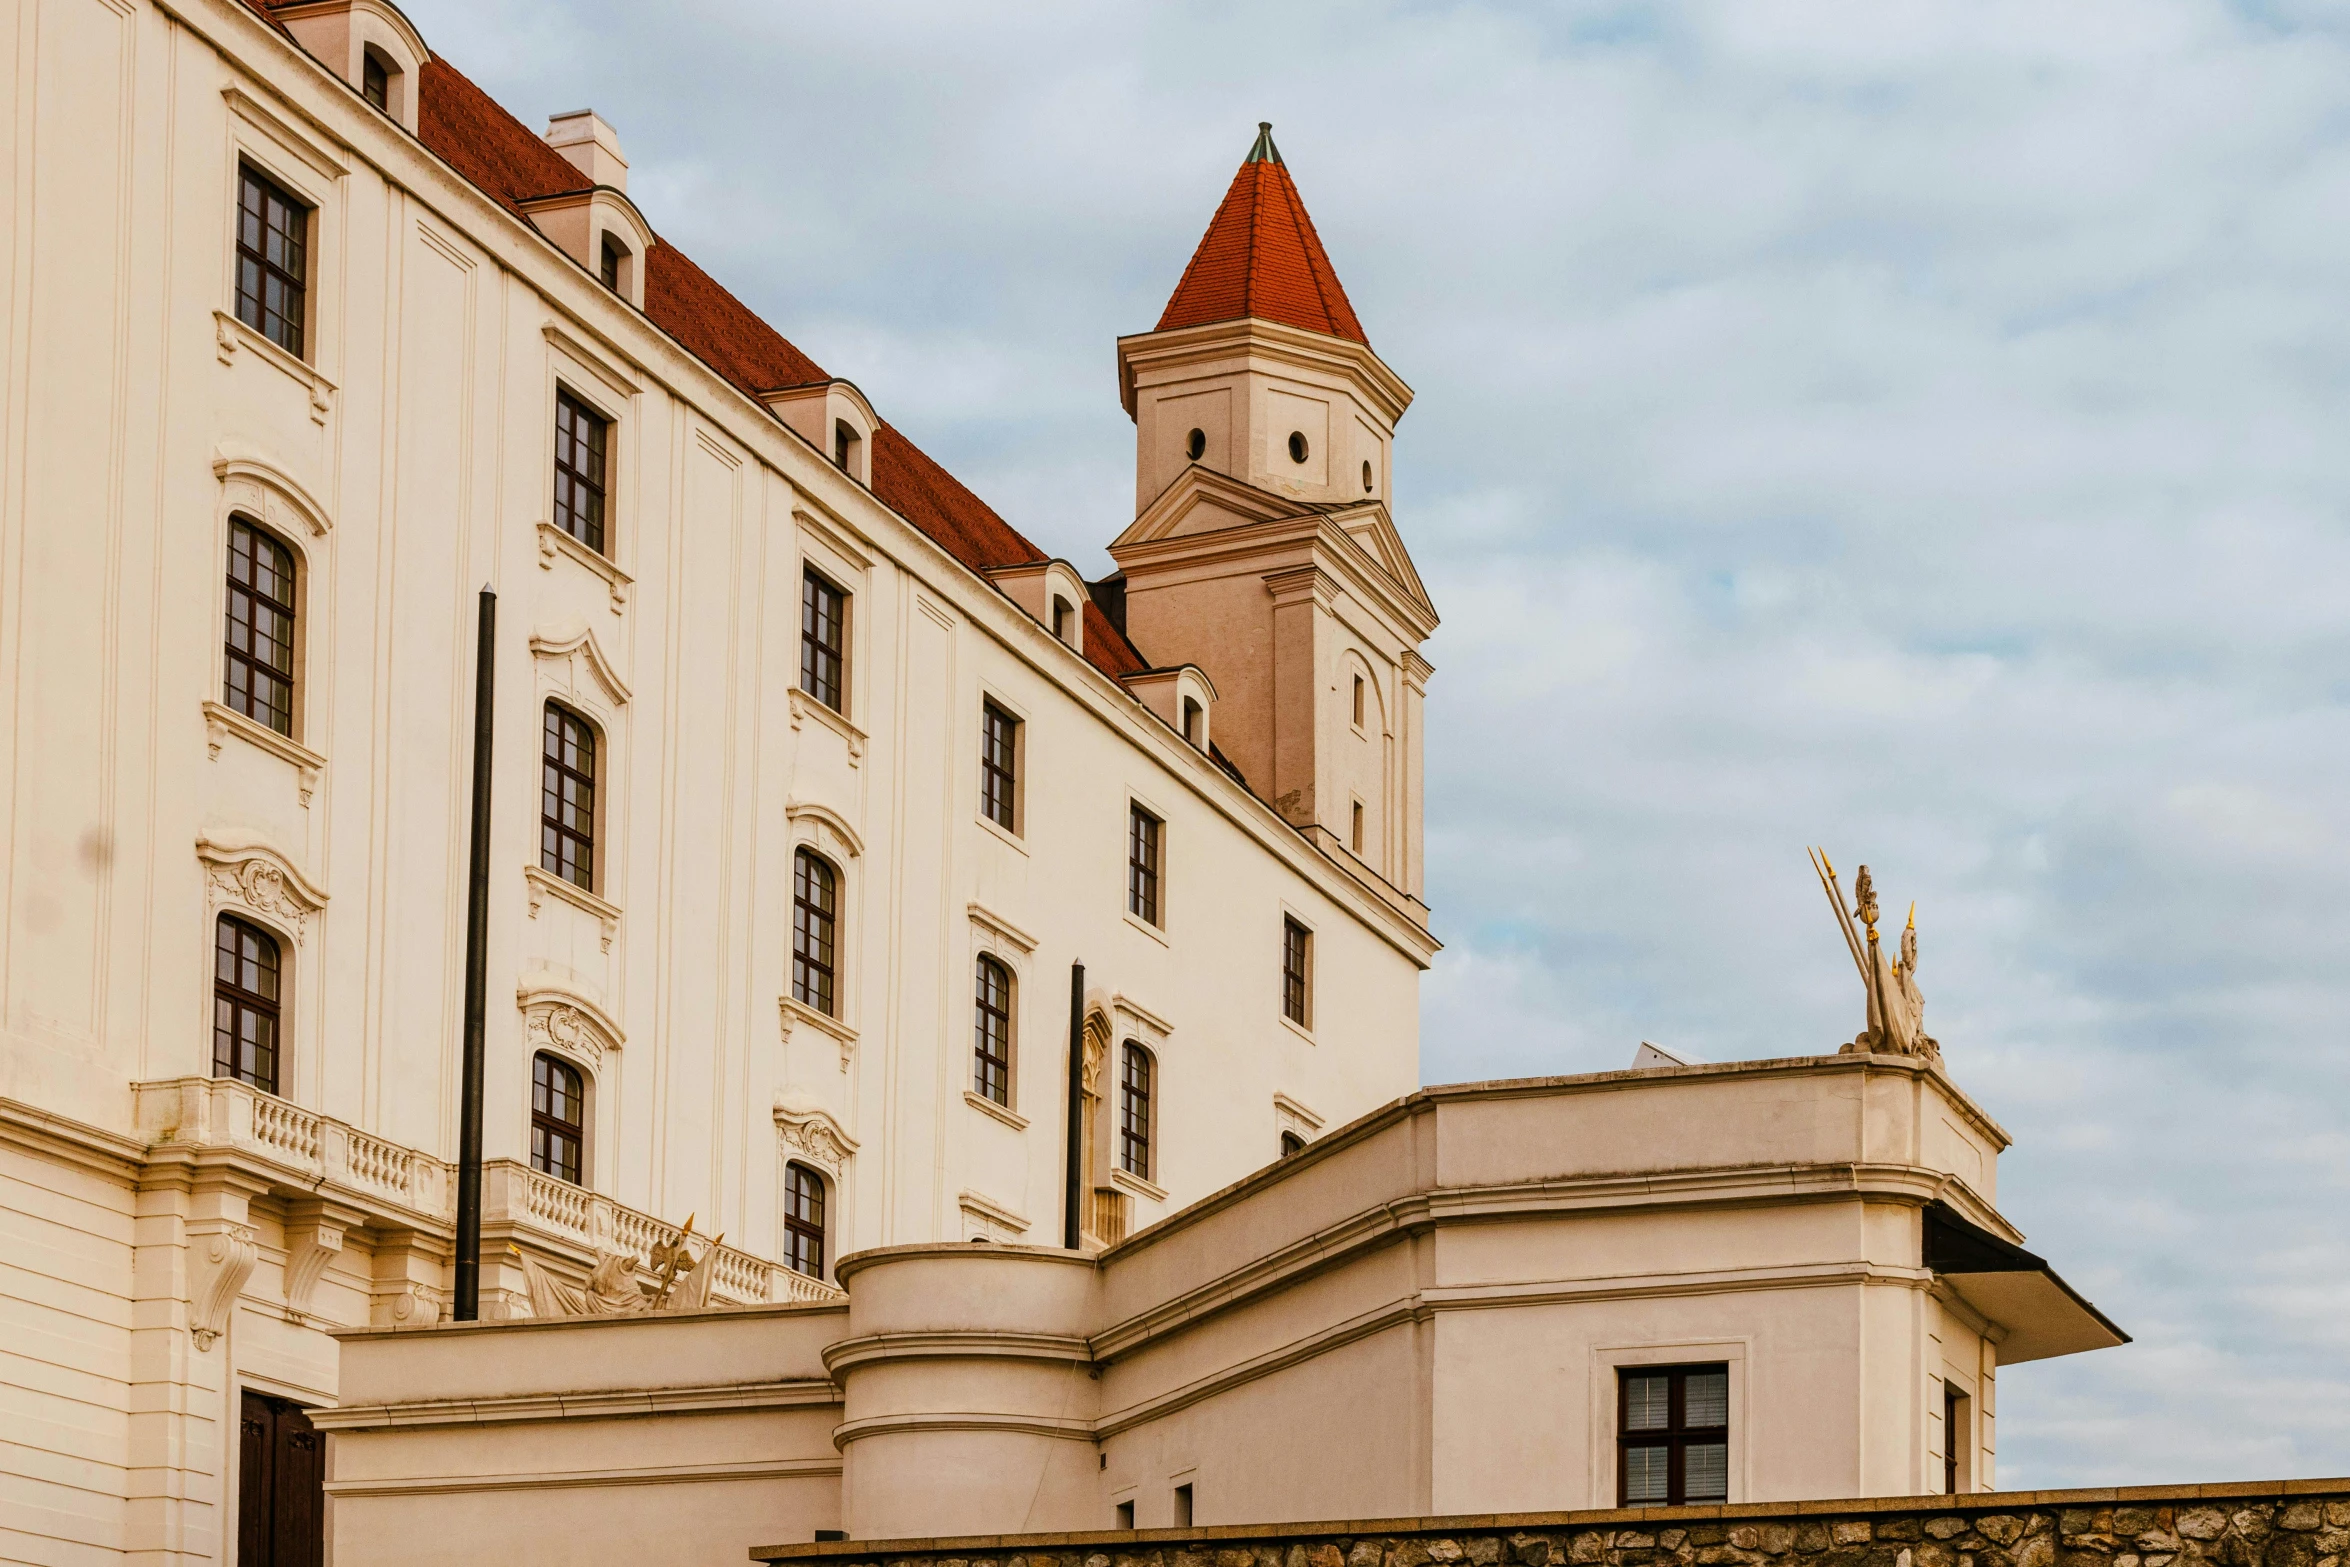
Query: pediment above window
x: 577, y: 645
x: 559, y: 1017
x: 809, y: 1129
x: 243, y: 871
x: 253, y: 484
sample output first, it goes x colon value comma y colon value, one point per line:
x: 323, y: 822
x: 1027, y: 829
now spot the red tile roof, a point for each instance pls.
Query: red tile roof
x: 498, y: 153
x: 1261, y: 257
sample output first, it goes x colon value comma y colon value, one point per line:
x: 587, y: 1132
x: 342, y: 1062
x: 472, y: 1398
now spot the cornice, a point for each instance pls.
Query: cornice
x: 873, y: 1348
x: 1064, y: 1428
x: 594, y: 1404
x: 1256, y: 336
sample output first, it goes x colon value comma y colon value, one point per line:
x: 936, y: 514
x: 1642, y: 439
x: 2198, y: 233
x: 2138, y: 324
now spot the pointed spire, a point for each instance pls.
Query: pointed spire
x: 1261, y: 257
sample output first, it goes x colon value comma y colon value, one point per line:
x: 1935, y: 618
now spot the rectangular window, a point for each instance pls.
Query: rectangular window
x: 824, y: 615
x: 1673, y: 1435
x: 1142, y: 864
x: 1358, y: 701
x: 610, y: 275
x: 1957, y: 1438
x: 1355, y: 829
x: 259, y: 681
x: 1296, y: 970
x: 567, y: 805
x: 557, y: 1113
x: 1183, y: 1507
x: 375, y: 82
x: 999, y: 763
x: 1134, y: 1112
x: 582, y: 442
x: 273, y: 244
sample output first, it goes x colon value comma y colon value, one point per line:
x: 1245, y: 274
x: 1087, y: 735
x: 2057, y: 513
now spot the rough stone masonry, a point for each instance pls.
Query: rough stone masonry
x: 2292, y: 1523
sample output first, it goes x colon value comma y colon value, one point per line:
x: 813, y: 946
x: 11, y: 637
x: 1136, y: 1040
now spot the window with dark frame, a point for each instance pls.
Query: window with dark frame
x: 844, y: 444
x: 1142, y: 864
x: 1296, y: 970
x: 375, y: 81
x: 803, y: 1220
x: 1292, y: 1145
x: 567, y: 798
x: 609, y: 272
x: 1358, y: 701
x: 999, y: 764
x: 558, y: 1114
x: 1355, y: 829
x: 1191, y: 717
x: 824, y: 612
x: 259, y: 679
x: 248, y: 995
x: 815, y: 915
x: 1061, y: 613
x: 1673, y: 1435
x: 991, y: 1033
x: 583, y: 441
x: 1954, y: 1435
x: 1134, y: 1112
x: 273, y: 244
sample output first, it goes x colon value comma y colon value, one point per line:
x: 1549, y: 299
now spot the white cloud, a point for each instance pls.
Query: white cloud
x: 1910, y: 427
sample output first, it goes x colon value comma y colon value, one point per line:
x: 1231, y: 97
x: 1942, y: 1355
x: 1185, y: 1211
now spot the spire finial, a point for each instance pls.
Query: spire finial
x: 1264, y: 151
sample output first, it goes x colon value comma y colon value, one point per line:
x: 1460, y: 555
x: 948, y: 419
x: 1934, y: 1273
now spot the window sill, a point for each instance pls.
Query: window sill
x: 553, y: 541
x: 796, y: 1012
x: 1137, y: 1185
x: 980, y: 1102
x: 229, y: 335
x: 1010, y: 838
x: 1299, y: 1030
x: 543, y: 884
x: 221, y: 721
x: 1147, y: 928
x: 804, y: 706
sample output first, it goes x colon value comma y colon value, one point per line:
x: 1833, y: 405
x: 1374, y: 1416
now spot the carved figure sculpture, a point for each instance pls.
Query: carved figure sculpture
x: 612, y: 1289
x: 1896, y: 1007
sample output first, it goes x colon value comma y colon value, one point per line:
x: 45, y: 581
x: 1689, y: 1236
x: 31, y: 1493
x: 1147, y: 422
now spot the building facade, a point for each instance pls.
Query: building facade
x: 811, y: 777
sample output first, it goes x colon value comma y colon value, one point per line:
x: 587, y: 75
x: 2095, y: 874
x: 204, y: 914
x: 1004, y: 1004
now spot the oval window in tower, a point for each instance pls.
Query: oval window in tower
x: 1197, y: 445
x: 1297, y: 446
x: 1366, y: 476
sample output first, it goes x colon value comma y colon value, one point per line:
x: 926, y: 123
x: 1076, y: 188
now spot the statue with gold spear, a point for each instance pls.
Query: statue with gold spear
x: 1896, y: 1008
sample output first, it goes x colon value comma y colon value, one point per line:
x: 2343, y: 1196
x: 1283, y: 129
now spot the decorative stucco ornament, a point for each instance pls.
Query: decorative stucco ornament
x: 1896, y: 1007
x: 681, y: 1281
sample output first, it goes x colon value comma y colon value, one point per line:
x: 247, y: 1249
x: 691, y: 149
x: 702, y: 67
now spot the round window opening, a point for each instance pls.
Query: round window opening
x: 1297, y: 446
x: 1197, y: 445
x: 1366, y: 478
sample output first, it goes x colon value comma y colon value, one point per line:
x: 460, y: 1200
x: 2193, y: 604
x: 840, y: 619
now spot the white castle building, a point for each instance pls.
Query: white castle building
x: 811, y: 780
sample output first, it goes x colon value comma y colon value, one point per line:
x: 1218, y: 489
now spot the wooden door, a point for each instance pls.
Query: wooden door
x: 281, y: 1486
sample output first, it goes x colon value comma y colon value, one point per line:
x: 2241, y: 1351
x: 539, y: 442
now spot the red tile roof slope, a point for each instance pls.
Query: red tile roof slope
x: 1261, y: 257
x: 497, y: 152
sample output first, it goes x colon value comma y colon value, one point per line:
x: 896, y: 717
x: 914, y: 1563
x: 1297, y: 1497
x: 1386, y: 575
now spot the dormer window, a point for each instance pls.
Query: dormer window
x: 609, y: 269
x: 375, y: 81
x: 1191, y: 718
x: 1062, y: 613
x: 844, y: 446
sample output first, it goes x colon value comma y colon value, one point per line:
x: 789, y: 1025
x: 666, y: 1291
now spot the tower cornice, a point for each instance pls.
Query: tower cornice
x: 1188, y: 347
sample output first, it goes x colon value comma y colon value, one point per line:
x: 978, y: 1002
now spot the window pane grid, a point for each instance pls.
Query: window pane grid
x: 557, y: 1114
x: 803, y: 1221
x: 567, y: 799
x: 1293, y: 972
x: 1142, y: 864
x: 823, y: 616
x: 992, y: 1033
x: 246, y: 990
x: 272, y: 234
x: 1673, y: 1435
x: 258, y: 680
x: 815, y: 911
x: 582, y: 438
x: 1134, y: 1112
x: 998, y: 737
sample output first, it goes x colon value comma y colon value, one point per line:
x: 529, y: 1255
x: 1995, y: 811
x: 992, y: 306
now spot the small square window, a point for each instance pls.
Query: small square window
x: 1673, y: 1435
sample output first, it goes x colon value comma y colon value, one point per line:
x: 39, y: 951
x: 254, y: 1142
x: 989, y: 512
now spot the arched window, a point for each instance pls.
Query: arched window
x: 815, y: 917
x: 1134, y: 1112
x: 247, y: 994
x: 567, y: 799
x: 1292, y: 1145
x: 558, y: 1113
x: 259, y: 680
x: 803, y: 1220
x: 991, y: 1032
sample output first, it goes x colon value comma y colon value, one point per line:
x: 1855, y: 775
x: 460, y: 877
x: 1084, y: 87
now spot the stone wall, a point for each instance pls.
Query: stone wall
x: 2291, y: 1523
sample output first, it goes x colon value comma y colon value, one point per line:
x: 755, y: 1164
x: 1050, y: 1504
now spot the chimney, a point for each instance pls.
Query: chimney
x: 591, y: 146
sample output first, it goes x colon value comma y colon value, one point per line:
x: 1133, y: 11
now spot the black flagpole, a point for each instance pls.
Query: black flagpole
x: 477, y: 976
x: 1069, y: 1225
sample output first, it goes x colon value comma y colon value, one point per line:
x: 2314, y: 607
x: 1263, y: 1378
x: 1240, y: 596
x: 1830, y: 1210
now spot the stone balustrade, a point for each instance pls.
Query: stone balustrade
x: 2289, y: 1523
x: 319, y: 1155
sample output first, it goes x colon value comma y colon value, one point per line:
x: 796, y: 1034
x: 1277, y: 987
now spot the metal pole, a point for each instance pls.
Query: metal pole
x: 477, y: 974
x: 1069, y: 1224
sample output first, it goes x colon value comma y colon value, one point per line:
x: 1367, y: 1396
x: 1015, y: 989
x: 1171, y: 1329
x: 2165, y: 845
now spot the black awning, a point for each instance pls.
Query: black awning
x: 2043, y: 1316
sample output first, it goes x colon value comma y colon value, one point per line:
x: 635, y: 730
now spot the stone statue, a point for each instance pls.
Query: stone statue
x: 1896, y: 1007
x: 612, y: 1289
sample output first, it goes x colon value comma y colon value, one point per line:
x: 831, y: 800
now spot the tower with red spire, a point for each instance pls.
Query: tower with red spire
x: 1263, y: 550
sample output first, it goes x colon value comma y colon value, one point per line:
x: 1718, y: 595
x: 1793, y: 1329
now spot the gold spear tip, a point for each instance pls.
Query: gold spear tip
x: 1913, y: 914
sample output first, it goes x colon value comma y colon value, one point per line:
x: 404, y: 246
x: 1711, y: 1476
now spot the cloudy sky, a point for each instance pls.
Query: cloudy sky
x: 1915, y: 429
